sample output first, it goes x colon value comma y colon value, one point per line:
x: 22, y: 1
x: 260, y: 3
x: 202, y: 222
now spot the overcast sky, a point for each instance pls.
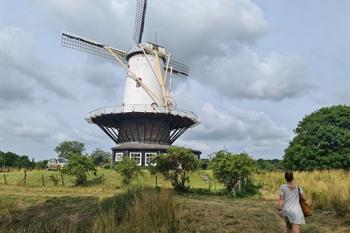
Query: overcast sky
x: 257, y: 68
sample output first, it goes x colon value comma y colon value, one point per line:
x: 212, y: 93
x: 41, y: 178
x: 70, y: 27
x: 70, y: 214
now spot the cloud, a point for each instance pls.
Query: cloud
x: 266, y: 148
x: 32, y: 133
x: 19, y: 64
x: 242, y: 74
x: 104, y: 76
x: 205, y: 27
x: 12, y: 93
x: 235, y: 124
x: 194, y: 30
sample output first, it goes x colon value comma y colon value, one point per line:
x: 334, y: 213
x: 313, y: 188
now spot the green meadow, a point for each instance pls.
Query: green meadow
x: 50, y: 206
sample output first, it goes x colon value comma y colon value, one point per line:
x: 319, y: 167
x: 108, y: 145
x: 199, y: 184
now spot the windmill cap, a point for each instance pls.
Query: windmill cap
x: 147, y: 47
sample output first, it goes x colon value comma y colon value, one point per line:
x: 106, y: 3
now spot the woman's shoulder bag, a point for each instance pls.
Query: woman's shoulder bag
x: 307, y: 210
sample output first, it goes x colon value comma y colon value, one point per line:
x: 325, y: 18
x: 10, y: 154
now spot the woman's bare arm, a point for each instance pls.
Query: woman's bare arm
x: 280, y: 204
x: 281, y: 201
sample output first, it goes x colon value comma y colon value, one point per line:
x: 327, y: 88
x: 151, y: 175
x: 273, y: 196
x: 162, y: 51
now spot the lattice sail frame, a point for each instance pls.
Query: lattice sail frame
x: 86, y: 45
x: 141, y: 7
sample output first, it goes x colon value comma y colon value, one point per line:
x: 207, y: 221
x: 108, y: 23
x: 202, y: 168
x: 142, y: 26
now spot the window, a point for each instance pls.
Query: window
x: 118, y: 157
x: 138, y: 82
x: 63, y: 160
x: 136, y: 156
x: 149, y: 157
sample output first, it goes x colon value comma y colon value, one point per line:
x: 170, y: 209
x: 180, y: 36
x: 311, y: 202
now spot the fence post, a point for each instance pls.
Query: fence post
x: 5, y: 179
x: 25, y: 177
x: 156, y: 181
x: 209, y: 183
x: 103, y: 179
x: 62, y: 179
x: 42, y: 176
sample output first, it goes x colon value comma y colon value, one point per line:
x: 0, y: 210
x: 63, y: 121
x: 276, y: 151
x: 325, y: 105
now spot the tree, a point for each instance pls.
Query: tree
x: 2, y: 159
x: 100, y: 157
x: 322, y: 141
x: 41, y: 164
x: 67, y: 148
x: 175, y: 166
x: 128, y: 169
x: 229, y: 168
x: 269, y: 164
x: 79, y: 166
x: 23, y: 162
x: 8, y: 159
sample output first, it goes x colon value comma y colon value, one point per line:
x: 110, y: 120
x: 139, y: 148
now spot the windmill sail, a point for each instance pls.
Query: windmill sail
x: 178, y: 68
x: 141, y: 6
x: 89, y: 46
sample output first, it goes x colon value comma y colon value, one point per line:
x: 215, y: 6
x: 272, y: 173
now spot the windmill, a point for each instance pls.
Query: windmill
x: 148, y: 121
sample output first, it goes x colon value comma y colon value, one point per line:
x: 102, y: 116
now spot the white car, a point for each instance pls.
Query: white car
x: 56, y: 164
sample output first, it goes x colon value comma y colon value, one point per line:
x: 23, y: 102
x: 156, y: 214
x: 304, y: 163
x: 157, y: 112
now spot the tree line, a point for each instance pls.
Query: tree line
x: 66, y: 149
x: 10, y: 159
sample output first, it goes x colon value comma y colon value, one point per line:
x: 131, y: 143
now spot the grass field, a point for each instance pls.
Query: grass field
x: 325, y: 189
x: 78, y: 209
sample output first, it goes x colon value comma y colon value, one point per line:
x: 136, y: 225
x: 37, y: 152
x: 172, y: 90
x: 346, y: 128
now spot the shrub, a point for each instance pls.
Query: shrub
x: 175, y: 166
x: 55, y: 179
x: 128, y: 169
x: 79, y: 166
x: 231, y: 168
x: 101, y: 158
x: 41, y: 164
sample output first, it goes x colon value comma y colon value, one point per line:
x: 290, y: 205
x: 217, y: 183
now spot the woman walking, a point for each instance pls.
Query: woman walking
x: 289, y: 205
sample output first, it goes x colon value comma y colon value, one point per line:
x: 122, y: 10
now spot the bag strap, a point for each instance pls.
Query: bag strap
x: 299, y: 193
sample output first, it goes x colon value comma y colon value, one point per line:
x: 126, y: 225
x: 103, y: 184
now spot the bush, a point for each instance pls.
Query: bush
x: 229, y: 168
x: 101, y: 158
x: 55, y: 179
x: 79, y: 166
x: 41, y: 164
x: 175, y: 166
x: 128, y: 169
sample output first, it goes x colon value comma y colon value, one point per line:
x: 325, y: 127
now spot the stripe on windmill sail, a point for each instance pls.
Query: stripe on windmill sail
x: 82, y: 44
x: 141, y: 6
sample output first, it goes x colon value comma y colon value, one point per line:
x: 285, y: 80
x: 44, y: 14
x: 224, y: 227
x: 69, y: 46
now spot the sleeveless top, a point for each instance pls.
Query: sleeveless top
x: 291, y: 207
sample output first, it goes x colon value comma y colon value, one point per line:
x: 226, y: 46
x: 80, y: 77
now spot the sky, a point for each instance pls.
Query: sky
x: 256, y: 69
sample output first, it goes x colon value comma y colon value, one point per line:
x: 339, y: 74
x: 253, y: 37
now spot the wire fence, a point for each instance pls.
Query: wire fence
x: 41, y: 178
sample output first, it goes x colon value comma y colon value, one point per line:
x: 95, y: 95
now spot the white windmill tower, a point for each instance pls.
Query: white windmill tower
x: 147, y: 123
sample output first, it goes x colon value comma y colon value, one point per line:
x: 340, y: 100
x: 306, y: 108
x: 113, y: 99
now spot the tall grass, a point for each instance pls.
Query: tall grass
x: 137, y: 210
x: 325, y: 189
x: 144, y: 211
